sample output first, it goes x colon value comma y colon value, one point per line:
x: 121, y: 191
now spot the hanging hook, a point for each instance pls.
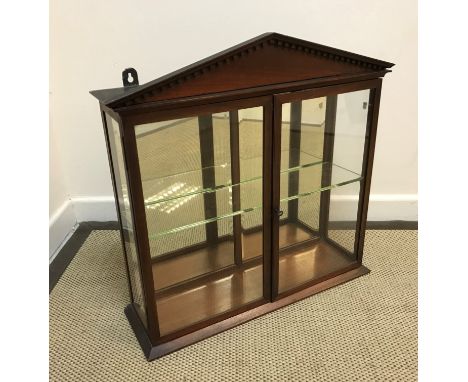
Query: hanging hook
x: 130, y: 77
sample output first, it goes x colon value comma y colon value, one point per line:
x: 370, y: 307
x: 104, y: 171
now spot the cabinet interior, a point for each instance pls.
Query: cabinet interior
x: 202, y: 180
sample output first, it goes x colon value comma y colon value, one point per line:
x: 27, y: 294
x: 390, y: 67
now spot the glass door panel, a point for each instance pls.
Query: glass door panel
x: 322, y: 151
x: 202, y: 182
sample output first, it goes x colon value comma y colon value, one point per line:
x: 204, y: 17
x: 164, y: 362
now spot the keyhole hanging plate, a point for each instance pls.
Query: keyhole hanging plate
x: 130, y: 77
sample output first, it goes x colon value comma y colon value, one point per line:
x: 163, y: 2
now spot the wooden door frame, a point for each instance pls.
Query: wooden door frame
x: 374, y: 86
x: 129, y: 121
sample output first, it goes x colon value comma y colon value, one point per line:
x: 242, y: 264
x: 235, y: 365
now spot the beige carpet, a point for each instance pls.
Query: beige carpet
x: 365, y: 330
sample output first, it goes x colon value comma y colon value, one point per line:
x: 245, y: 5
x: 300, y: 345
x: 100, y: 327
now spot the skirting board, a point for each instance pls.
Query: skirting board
x: 94, y: 208
x: 66, y: 218
x: 61, y: 226
x: 382, y: 207
x: 68, y: 251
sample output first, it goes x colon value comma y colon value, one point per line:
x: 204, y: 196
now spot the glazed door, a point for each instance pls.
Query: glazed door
x: 320, y: 138
x: 206, y: 175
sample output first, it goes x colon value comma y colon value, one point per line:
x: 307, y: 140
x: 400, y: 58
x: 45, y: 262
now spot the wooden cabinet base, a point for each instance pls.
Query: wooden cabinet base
x: 154, y: 351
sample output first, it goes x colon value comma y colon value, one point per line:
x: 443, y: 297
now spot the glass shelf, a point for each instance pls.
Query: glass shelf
x: 312, y: 176
x: 185, y: 184
x: 185, y: 211
x: 202, y: 222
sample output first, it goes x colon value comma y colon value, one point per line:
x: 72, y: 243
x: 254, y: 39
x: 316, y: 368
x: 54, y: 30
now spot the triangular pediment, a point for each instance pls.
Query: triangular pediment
x: 265, y: 60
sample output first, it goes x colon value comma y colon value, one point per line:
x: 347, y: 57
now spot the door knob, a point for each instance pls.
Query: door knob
x: 279, y: 212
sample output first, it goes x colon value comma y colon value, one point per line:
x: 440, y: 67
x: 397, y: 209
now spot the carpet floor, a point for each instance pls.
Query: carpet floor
x: 364, y: 330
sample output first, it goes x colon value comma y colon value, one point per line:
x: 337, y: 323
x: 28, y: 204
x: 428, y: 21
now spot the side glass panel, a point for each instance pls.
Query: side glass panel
x: 202, y: 182
x: 118, y: 162
x: 350, y: 138
x: 322, y: 150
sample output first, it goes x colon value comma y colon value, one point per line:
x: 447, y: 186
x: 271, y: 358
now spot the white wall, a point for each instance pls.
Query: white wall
x: 93, y: 41
x: 62, y: 217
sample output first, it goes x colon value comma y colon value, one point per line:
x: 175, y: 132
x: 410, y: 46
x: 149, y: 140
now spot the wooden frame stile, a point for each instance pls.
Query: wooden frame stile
x: 235, y: 179
x: 268, y: 139
x: 205, y: 133
x: 371, y: 136
x: 328, y: 146
x: 294, y: 157
x: 275, y: 193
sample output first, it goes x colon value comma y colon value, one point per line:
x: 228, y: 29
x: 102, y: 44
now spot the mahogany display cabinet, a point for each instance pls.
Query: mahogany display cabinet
x: 241, y: 183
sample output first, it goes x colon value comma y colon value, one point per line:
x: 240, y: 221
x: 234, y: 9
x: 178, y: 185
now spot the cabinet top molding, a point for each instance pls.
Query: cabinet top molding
x: 265, y: 60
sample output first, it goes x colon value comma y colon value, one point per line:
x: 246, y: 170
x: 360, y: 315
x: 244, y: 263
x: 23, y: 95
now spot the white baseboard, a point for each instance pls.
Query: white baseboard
x: 61, y: 226
x: 65, y: 220
x: 95, y: 208
x: 385, y: 207
x: 382, y: 207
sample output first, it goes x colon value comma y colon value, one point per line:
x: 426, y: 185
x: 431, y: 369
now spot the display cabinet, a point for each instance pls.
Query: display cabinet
x: 241, y: 183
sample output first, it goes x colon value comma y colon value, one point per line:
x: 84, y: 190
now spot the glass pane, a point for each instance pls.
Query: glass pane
x: 343, y: 215
x: 322, y: 148
x: 118, y: 163
x: 350, y: 139
x: 202, y: 183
